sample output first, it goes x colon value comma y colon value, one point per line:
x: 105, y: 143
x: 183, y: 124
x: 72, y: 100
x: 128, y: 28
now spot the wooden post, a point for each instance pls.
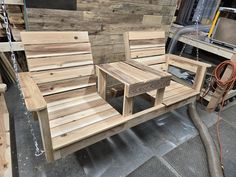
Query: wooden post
x: 127, y: 46
x: 199, y: 78
x: 127, y: 104
x: 46, y: 134
x: 102, y: 83
x: 159, y: 96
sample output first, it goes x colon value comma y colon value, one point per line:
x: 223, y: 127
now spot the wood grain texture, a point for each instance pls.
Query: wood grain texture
x: 34, y: 100
x: 5, y: 146
x: 106, y: 21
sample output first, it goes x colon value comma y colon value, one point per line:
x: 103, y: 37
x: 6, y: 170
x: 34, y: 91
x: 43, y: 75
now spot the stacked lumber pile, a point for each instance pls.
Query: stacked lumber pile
x: 106, y: 21
x: 16, y: 19
x: 5, y: 147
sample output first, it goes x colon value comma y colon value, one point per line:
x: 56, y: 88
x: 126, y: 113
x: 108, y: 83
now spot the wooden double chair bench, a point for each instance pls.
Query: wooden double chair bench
x: 61, y: 86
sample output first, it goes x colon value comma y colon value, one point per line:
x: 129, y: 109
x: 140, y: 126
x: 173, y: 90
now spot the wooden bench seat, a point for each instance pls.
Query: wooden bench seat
x: 70, y: 118
x: 175, y: 93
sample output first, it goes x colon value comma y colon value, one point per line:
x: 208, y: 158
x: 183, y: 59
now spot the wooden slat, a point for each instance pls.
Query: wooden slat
x: 62, y: 74
x: 147, y: 69
x: 54, y: 37
x: 90, y: 108
x: 136, y: 73
x: 57, y: 62
x: 33, y: 98
x: 63, y: 96
x: 157, y: 41
x: 162, y: 67
x: 139, y: 35
x: 82, y: 133
x: 83, y: 122
x: 50, y: 50
x: 147, y: 52
x: 66, y: 85
x: 152, y: 60
x: 117, y: 74
x: 5, y: 146
x: 72, y: 106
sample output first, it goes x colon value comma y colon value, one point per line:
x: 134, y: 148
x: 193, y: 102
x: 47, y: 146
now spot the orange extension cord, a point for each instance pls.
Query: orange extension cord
x: 227, y: 85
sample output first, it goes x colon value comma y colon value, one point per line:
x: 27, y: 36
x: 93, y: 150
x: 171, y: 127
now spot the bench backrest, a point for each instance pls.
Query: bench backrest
x: 59, y: 61
x: 139, y: 44
x: 147, y: 47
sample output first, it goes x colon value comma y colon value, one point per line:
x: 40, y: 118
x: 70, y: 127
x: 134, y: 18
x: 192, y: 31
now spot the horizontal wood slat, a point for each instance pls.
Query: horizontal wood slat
x: 146, y: 52
x: 47, y: 50
x: 141, y: 35
x: 57, y: 62
x: 66, y: 85
x: 54, y: 37
x: 62, y: 74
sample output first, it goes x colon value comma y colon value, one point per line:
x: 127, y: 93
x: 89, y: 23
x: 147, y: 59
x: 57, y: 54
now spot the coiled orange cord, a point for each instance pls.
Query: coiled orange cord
x: 225, y: 84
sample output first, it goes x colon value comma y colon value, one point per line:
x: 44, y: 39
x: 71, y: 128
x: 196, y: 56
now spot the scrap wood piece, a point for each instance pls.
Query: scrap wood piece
x: 5, y: 148
x: 8, y: 67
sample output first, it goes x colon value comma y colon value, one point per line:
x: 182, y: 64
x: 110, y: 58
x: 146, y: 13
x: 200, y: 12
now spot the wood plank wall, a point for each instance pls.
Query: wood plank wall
x: 106, y: 20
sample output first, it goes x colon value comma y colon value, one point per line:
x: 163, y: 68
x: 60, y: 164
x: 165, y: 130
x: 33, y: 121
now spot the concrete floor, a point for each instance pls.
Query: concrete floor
x: 118, y: 155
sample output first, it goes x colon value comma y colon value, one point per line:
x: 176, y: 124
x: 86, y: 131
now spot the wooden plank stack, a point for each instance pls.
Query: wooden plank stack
x: 5, y: 148
x: 15, y: 11
x: 106, y: 21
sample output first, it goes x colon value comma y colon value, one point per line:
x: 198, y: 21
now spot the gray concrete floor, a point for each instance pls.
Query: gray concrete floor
x: 116, y: 156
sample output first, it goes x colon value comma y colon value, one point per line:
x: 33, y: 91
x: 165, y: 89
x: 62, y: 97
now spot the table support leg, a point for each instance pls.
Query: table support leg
x: 102, y: 83
x: 159, y: 96
x: 127, y: 104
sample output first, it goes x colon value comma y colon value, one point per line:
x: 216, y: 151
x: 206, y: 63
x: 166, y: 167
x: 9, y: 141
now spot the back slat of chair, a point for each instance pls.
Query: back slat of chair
x: 139, y: 44
x: 56, y: 59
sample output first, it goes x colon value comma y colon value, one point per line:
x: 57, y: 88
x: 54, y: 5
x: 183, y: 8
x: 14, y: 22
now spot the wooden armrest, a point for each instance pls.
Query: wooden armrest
x: 191, y: 65
x: 33, y: 98
x: 185, y: 63
x: 3, y: 88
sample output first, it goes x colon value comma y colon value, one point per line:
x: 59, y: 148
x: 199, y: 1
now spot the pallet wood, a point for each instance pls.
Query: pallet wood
x: 106, y: 21
x: 62, y: 91
x: 5, y: 146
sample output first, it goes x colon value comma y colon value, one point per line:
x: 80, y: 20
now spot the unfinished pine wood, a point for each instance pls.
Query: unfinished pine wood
x: 3, y: 88
x: 58, y: 62
x: 54, y: 37
x: 5, y: 146
x: 128, y: 104
x: 142, y: 44
x: 175, y: 93
x: 33, y: 97
x: 102, y: 83
x: 159, y: 96
x: 46, y: 134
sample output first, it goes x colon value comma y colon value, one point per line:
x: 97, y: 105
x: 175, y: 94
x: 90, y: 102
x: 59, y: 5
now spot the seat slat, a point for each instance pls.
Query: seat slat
x: 52, y: 37
x: 87, y: 131
x: 58, y: 62
x: 62, y: 74
x: 85, y: 110
x: 74, y: 108
x: 47, y: 50
x: 83, y: 122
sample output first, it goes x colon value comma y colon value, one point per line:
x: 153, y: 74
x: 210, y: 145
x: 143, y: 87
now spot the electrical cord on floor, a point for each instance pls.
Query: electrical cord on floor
x: 217, y: 82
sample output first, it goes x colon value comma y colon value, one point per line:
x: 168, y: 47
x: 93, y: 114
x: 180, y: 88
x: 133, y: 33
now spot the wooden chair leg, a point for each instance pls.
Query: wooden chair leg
x: 102, y: 83
x: 46, y: 134
x: 127, y: 104
x: 159, y: 96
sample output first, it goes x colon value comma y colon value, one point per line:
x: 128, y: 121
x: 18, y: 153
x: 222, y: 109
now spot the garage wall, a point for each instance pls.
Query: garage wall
x: 106, y: 20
